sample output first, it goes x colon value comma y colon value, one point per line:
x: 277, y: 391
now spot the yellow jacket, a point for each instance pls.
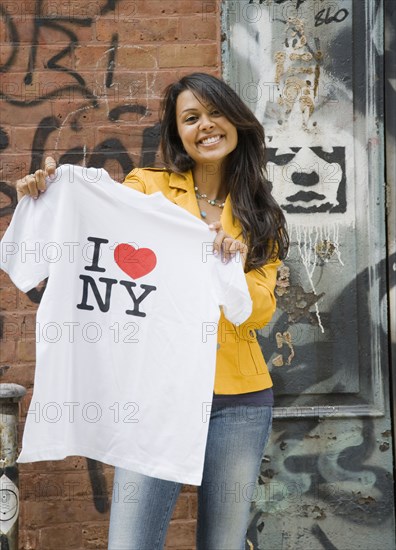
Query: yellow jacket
x: 240, y: 366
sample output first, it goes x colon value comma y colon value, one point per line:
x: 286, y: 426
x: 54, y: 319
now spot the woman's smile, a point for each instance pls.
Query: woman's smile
x: 207, y: 135
x: 210, y: 140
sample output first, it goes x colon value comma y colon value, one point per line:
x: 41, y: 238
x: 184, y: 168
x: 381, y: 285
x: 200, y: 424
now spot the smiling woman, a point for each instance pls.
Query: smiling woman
x: 231, y: 163
x: 214, y: 155
x: 207, y: 137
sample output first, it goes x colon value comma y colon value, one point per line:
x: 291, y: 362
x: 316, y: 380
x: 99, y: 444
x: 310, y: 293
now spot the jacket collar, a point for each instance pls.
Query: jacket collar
x: 181, y: 181
x: 188, y: 201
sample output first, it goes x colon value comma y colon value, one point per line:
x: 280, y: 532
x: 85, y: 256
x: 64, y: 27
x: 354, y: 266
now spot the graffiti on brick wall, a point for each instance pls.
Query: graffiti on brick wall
x: 37, y: 87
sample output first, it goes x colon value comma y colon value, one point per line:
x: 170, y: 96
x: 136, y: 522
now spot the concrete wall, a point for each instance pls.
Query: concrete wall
x: 311, y: 70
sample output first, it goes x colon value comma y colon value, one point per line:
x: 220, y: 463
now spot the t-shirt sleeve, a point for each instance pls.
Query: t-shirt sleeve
x: 232, y: 289
x: 23, y: 247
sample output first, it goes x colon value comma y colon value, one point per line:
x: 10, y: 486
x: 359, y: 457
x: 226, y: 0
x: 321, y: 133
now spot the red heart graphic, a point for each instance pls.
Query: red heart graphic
x: 135, y: 262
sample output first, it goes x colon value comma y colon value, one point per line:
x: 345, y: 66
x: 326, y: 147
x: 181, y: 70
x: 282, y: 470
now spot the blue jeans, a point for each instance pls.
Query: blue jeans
x: 142, y: 506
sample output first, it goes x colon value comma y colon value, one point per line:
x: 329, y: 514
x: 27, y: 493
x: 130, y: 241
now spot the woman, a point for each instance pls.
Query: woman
x: 214, y: 152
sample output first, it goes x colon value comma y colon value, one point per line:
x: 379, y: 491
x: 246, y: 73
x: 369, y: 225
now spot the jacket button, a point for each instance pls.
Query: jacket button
x: 218, y: 346
x: 252, y: 333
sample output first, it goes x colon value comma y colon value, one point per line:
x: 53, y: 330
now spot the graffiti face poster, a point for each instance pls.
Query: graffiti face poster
x: 294, y: 63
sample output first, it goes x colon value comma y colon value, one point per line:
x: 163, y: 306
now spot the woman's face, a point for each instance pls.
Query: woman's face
x: 207, y: 135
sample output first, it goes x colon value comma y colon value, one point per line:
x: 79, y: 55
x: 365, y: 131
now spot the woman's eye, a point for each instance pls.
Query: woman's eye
x: 215, y: 112
x: 191, y: 119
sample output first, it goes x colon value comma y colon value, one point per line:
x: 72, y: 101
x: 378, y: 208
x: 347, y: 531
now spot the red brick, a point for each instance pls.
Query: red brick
x: 48, y: 35
x: 27, y: 538
x: 91, y: 59
x: 7, y: 352
x: 164, y: 77
x: 108, y: 473
x: 181, y: 510
x: 94, y: 536
x: 193, y: 502
x: 8, y: 297
x: 47, y: 513
x: 190, y: 489
x: 44, y: 53
x: 18, y: 325
x: 130, y: 137
x: 84, y: 115
x: 20, y: 374
x: 187, y: 55
x: 6, y: 48
x: 4, y: 277
x: 163, y: 29
x: 22, y: 138
x: 95, y: 58
x: 68, y: 138
x: 14, y: 167
x: 4, y: 373
x: 78, y: 9
x: 71, y: 463
x: 62, y: 536
x: 84, y: 34
x: 73, y: 110
x: 19, y: 8
x: 26, y: 350
x: 15, y: 116
x: 131, y: 85
x: 31, y: 97
x: 198, y: 28
x: 60, y: 485
x: 158, y: 8
x: 153, y: 112
x: 24, y: 406
x: 137, y: 57
x: 181, y: 534
x: 20, y: 60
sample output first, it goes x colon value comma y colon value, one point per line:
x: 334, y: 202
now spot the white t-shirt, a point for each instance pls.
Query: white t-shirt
x: 126, y: 328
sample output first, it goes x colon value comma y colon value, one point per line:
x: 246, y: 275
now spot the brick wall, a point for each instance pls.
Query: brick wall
x: 83, y: 81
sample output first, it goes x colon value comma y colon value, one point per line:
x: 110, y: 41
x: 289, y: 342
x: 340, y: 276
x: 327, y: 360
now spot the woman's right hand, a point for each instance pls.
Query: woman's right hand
x: 34, y: 184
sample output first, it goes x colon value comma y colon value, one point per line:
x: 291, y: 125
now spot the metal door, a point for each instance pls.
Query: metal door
x: 312, y: 71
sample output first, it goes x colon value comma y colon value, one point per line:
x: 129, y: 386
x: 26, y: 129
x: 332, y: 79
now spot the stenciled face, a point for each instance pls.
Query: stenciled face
x: 308, y: 179
x: 207, y: 135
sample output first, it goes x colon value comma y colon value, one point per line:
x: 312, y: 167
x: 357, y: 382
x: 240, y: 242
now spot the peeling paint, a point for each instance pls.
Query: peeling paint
x: 385, y: 446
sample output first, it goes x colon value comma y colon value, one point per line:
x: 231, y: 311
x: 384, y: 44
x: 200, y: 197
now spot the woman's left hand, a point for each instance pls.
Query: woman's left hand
x: 225, y: 245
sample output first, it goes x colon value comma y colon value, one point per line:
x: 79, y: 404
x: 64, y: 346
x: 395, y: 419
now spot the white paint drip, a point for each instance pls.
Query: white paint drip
x: 308, y: 238
x: 86, y: 108
x: 330, y: 233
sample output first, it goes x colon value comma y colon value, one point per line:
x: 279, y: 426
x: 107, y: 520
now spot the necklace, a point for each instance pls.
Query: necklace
x: 213, y: 202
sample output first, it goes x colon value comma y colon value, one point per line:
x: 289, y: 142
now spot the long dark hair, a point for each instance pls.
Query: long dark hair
x: 262, y: 220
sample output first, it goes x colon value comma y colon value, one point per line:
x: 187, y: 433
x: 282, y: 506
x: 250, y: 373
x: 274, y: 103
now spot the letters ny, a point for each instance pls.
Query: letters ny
x: 102, y: 293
